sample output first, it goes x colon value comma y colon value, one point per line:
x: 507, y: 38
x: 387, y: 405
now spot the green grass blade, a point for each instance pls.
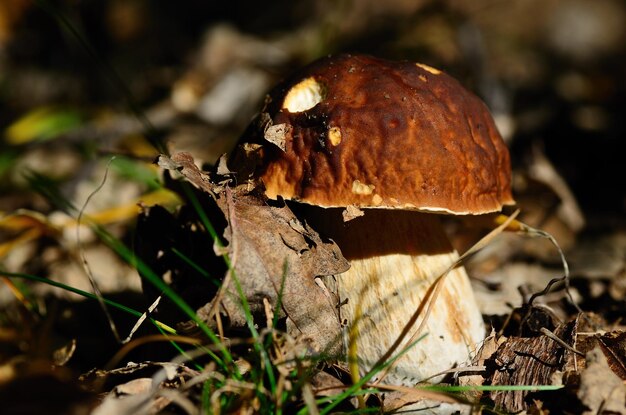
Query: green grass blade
x: 89, y: 295
x: 244, y: 302
x: 355, y: 388
x: 41, y: 124
x: 50, y: 191
x: 8, y: 159
x: 191, y: 263
x: 48, y: 188
x: 136, y: 171
x: 146, y: 272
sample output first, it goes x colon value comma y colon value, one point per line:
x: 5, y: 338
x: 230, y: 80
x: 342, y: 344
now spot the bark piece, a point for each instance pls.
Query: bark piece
x: 527, y: 361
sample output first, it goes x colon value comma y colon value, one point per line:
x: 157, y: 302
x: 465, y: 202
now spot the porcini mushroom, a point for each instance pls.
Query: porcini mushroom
x: 401, y: 141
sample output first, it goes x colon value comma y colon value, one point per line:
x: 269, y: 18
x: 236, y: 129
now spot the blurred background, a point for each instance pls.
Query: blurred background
x: 83, y: 81
x: 83, y: 78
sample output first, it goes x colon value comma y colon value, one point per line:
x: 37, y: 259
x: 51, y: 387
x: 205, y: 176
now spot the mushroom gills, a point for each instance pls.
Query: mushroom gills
x: 395, y: 257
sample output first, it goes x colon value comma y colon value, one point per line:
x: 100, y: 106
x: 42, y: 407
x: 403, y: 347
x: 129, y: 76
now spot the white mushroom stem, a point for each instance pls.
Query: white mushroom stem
x: 395, y: 257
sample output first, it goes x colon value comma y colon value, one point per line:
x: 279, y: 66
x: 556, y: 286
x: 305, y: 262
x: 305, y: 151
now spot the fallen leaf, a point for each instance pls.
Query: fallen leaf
x: 489, y: 347
x: 134, y: 387
x: 275, y: 259
x: 601, y: 390
x: 273, y: 256
x: 277, y: 134
x: 589, y: 335
x: 184, y: 164
x: 325, y: 384
x: 423, y: 401
x: 222, y: 166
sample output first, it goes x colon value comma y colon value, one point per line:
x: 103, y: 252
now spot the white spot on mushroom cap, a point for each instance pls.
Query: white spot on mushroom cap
x: 304, y: 95
x: 428, y: 68
x: 363, y: 189
x: 334, y: 135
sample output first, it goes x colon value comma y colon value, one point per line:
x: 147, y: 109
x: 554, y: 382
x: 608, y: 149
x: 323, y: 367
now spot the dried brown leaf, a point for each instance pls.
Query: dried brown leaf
x: 222, y: 166
x: 277, y: 134
x: 184, y: 164
x: 273, y: 253
x: 489, y: 346
x: 134, y: 387
x: 601, y: 390
x: 274, y: 256
x: 325, y: 384
x: 420, y: 400
x: 612, y: 344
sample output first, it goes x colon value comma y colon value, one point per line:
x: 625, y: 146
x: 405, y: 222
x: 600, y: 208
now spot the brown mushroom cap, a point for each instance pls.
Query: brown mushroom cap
x: 357, y: 130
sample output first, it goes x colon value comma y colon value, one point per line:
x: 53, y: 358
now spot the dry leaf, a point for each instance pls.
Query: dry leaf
x: 274, y: 257
x: 134, y: 387
x: 222, y: 166
x: 325, y: 384
x: 278, y: 134
x: 542, y: 170
x: 421, y: 401
x: 489, y: 346
x: 612, y: 344
x: 601, y: 390
x: 184, y: 164
x: 269, y: 249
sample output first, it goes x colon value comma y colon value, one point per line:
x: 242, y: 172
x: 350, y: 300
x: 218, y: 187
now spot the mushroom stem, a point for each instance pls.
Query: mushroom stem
x: 395, y: 257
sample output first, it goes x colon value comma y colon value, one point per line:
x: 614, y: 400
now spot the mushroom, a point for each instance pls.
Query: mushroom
x: 400, y: 142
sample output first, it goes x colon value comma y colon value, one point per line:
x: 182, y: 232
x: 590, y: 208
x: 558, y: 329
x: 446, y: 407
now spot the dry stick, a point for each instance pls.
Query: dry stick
x: 152, y: 338
x: 431, y: 297
x: 85, y: 263
x: 525, y: 229
x: 141, y: 319
x: 559, y: 341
